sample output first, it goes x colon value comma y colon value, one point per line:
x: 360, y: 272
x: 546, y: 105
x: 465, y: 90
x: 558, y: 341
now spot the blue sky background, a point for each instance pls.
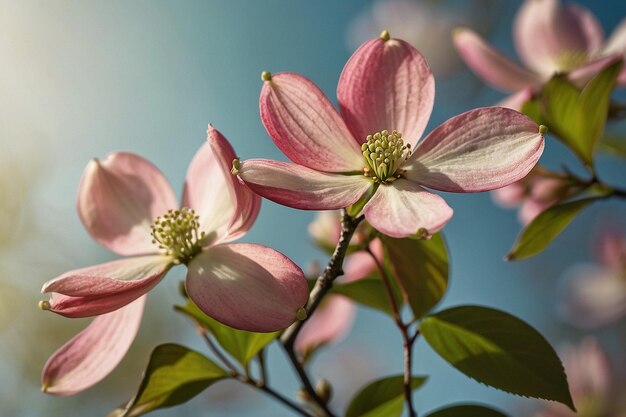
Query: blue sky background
x: 83, y: 78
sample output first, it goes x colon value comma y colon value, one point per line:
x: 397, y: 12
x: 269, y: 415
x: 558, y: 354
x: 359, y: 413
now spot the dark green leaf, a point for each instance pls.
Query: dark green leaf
x: 499, y: 350
x: 545, y: 228
x: 240, y: 344
x: 370, y: 292
x: 578, y: 118
x: 382, y: 398
x: 421, y: 269
x: 174, y: 375
x: 466, y: 410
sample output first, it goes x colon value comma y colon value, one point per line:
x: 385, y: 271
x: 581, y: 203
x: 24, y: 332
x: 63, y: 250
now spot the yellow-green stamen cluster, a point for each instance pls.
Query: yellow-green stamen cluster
x: 178, y: 233
x: 384, y: 153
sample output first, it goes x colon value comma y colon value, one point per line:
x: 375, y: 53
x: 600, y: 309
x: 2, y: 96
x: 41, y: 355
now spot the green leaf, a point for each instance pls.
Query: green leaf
x: 532, y: 109
x: 240, y: 344
x: 466, y: 410
x: 174, y: 375
x: 370, y: 292
x: 613, y: 144
x: 578, y: 118
x: 421, y: 269
x: 544, y: 228
x: 382, y: 398
x: 498, y: 349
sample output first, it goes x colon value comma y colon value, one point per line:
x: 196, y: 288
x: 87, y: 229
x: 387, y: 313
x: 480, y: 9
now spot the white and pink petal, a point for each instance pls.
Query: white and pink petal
x: 300, y: 187
x: 546, y: 32
x: 480, y: 150
x: 226, y: 208
x: 593, y: 296
x: 305, y: 126
x: 404, y: 208
x: 103, y: 288
x: 386, y: 85
x: 93, y: 353
x: 490, y: 65
x: 119, y: 198
x: 247, y: 286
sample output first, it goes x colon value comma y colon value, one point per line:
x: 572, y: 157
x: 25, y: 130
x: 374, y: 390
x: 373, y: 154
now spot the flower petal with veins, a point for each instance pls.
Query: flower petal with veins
x: 305, y: 126
x: 386, y: 85
x: 402, y: 208
x: 100, y: 289
x: 119, y: 198
x: 478, y: 150
x: 93, y: 353
x: 246, y: 286
x: 300, y: 187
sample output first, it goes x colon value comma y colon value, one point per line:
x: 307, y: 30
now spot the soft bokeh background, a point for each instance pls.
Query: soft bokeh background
x: 79, y: 79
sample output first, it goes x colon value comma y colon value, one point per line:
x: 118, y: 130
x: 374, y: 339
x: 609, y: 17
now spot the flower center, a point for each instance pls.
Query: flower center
x: 570, y: 60
x: 384, y: 153
x: 177, y: 232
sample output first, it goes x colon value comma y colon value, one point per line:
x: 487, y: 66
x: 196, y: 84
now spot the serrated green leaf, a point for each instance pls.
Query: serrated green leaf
x: 382, y: 398
x: 498, y: 349
x: 466, y: 410
x: 421, y: 269
x: 240, y: 344
x: 544, y: 228
x: 174, y: 375
x: 578, y: 117
x: 369, y: 292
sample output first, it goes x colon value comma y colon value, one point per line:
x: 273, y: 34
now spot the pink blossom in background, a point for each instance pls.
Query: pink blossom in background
x: 370, y: 149
x: 424, y: 24
x: 536, y: 192
x: 550, y: 38
x: 594, y: 294
x: 127, y: 205
x: 588, y: 373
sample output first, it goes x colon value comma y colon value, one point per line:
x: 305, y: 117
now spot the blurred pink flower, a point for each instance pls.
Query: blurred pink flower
x: 424, y: 24
x: 594, y: 295
x: 589, y: 376
x: 246, y: 286
x: 326, y: 229
x: 550, y: 38
x: 386, y: 93
x: 534, y: 193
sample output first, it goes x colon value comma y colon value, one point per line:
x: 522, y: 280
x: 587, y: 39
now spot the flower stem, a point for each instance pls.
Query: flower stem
x: 246, y: 379
x: 408, y: 340
x: 323, y: 284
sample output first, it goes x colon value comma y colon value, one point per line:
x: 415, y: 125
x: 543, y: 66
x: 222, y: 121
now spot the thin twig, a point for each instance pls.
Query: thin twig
x: 323, y: 284
x: 407, y: 339
x: 233, y: 369
x: 246, y: 379
x: 264, y: 377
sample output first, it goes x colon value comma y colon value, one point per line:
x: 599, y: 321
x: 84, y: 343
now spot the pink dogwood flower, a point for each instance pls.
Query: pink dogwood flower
x: 386, y: 93
x: 536, y: 192
x: 127, y: 205
x: 594, y: 294
x: 550, y: 38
